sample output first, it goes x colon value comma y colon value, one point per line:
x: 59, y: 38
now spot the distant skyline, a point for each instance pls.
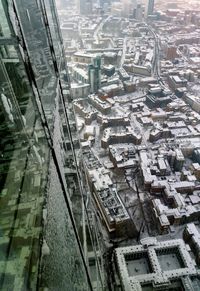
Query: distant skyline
x: 179, y: 4
x: 159, y: 5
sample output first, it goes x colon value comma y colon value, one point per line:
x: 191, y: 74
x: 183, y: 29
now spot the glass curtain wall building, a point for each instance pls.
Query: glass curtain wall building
x: 45, y: 232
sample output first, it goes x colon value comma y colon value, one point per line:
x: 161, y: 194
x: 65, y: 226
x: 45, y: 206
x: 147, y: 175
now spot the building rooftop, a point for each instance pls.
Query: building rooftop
x: 154, y: 263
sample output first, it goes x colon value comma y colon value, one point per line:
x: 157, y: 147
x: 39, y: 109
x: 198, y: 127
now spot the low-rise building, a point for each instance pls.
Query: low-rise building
x: 110, y: 206
x: 123, y: 135
x: 138, y: 70
x: 191, y: 236
x: 89, y: 114
x: 193, y: 101
x: 114, y: 121
x: 156, y: 265
x: 80, y: 90
x: 101, y: 105
x: 123, y: 157
x: 176, y: 82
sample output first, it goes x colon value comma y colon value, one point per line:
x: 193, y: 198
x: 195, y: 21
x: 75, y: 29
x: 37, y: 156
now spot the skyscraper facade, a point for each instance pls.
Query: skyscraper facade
x: 104, y: 2
x: 43, y: 241
x: 84, y: 7
x: 149, y: 7
x: 139, y: 12
x: 127, y: 8
x: 94, y: 73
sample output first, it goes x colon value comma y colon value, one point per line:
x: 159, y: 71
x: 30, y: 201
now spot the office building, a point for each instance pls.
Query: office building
x: 94, y: 73
x: 139, y: 12
x: 149, y: 7
x: 171, y: 52
x: 154, y: 265
x: 134, y: 3
x: 127, y: 8
x: 111, y: 208
x: 84, y: 7
x: 41, y: 241
x: 104, y: 3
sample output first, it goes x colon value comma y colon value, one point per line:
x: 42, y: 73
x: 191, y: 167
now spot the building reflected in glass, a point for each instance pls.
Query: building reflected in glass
x: 42, y: 214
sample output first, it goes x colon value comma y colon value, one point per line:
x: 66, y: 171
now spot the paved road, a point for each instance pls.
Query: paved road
x: 99, y: 28
x: 156, y: 64
x: 123, y: 52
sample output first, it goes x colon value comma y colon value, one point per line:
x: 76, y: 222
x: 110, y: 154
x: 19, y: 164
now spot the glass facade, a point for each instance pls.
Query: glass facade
x: 43, y: 223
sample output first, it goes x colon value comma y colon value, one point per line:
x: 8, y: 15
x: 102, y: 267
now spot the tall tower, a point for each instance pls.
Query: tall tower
x: 126, y: 8
x: 44, y: 222
x: 139, y: 12
x: 104, y: 2
x: 134, y: 3
x: 94, y: 73
x: 85, y: 7
x: 149, y: 7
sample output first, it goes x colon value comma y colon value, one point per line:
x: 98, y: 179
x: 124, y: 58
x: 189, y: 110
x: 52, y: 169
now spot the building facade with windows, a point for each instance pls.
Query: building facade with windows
x: 46, y: 231
x: 149, y: 7
x: 84, y: 7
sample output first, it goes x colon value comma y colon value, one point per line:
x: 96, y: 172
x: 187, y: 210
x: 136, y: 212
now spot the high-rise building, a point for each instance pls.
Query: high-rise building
x: 102, y: 3
x: 94, y: 73
x: 45, y: 227
x: 171, y: 52
x: 127, y: 8
x: 138, y: 13
x: 149, y: 7
x: 84, y: 7
x: 134, y: 3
